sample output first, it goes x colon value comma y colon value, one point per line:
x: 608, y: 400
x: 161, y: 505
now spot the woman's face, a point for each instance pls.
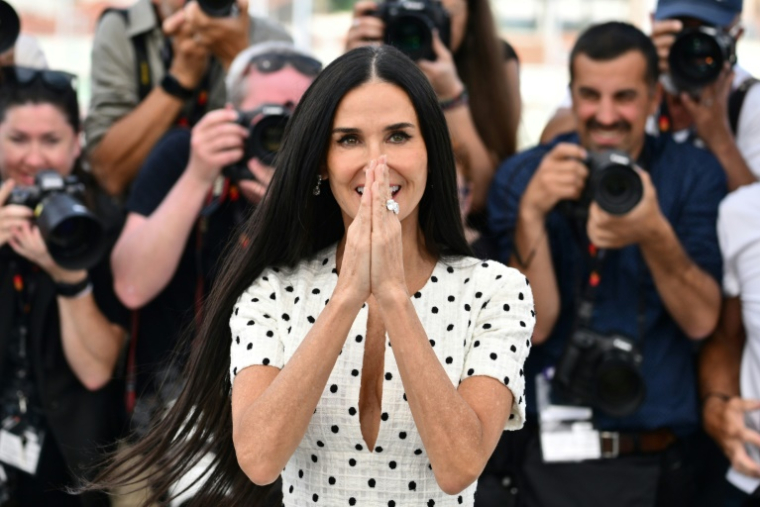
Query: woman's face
x: 458, y: 12
x: 34, y: 137
x: 375, y: 119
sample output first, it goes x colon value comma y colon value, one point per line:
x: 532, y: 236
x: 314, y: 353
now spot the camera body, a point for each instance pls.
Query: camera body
x: 697, y: 57
x: 601, y: 371
x: 613, y: 183
x: 218, y: 8
x: 74, y: 236
x: 409, y: 26
x: 266, y: 125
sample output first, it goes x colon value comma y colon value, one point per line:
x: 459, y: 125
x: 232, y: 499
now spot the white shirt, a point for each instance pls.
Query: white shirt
x: 739, y: 236
x: 479, y: 319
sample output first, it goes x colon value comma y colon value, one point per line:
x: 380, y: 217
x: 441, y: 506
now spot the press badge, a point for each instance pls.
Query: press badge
x: 20, y: 445
x: 566, y: 432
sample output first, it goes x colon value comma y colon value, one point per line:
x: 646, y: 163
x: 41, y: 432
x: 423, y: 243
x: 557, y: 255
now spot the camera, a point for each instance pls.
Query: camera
x: 218, y: 8
x: 601, y: 371
x: 74, y: 236
x: 697, y: 57
x: 613, y: 183
x: 10, y: 26
x: 266, y: 126
x: 409, y: 26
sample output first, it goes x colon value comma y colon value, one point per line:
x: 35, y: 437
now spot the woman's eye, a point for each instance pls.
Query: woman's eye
x: 348, y: 140
x: 399, y: 137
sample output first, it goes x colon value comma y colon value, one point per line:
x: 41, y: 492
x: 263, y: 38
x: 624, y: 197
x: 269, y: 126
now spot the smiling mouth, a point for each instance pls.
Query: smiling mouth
x: 394, y: 190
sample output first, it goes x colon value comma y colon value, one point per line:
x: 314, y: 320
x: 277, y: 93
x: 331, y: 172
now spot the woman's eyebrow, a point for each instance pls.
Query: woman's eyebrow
x: 397, y: 126
x: 345, y: 130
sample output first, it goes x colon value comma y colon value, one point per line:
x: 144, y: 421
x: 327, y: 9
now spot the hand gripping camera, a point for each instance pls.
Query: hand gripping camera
x: 601, y: 371
x: 74, y: 236
x: 697, y: 57
x: 266, y: 126
x: 409, y: 26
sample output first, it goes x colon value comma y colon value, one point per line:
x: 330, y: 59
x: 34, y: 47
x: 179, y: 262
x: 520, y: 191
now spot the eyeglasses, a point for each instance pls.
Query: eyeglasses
x: 272, y: 62
x: 55, y: 80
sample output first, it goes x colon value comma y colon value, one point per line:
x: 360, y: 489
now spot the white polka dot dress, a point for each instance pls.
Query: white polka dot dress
x: 478, y: 317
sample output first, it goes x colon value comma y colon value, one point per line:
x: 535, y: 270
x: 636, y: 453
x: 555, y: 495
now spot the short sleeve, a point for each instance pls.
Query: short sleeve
x: 501, y: 340
x: 256, y: 338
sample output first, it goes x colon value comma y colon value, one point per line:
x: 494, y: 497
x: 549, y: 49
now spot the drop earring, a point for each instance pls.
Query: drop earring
x: 317, y: 190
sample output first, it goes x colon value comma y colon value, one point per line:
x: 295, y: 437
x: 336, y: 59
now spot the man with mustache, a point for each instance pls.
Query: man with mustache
x: 649, y: 276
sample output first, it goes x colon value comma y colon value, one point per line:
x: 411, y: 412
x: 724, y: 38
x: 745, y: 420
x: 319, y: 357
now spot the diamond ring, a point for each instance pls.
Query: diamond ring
x: 392, y: 205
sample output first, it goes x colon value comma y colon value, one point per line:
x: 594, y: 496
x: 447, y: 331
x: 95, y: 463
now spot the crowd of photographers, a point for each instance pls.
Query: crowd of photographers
x: 636, y: 221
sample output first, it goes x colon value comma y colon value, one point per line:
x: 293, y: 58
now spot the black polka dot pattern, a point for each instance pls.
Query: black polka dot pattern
x: 477, y: 317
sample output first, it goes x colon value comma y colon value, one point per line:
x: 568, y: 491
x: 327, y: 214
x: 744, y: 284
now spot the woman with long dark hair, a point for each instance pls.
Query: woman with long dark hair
x: 367, y: 356
x: 476, y: 79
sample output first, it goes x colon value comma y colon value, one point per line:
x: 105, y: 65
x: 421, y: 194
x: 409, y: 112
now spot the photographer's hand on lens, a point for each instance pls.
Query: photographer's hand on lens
x: 710, y: 112
x: 225, y: 36
x: 442, y: 73
x: 191, y: 58
x: 387, y: 259
x: 561, y: 176
x: 634, y: 228
x: 216, y: 142
x: 365, y: 29
x: 254, y: 190
x: 26, y: 240
x: 663, y: 36
x: 724, y: 421
x: 11, y: 216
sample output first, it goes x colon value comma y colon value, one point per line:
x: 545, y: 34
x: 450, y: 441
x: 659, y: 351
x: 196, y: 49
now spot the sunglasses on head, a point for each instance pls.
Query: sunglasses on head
x: 272, y: 62
x: 55, y: 80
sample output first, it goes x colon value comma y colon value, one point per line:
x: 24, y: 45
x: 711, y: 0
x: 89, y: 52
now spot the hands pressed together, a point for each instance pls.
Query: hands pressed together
x: 373, y: 259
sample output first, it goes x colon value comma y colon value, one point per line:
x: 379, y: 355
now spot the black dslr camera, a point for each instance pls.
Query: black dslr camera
x: 74, y: 236
x: 601, y: 371
x: 218, y: 8
x: 266, y: 126
x: 613, y: 183
x: 697, y: 57
x: 409, y: 26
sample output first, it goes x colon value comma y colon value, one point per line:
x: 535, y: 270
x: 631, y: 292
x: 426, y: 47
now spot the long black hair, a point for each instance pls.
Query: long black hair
x: 289, y: 225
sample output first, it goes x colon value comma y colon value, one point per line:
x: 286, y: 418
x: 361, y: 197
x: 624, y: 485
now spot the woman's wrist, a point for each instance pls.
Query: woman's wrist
x: 455, y: 101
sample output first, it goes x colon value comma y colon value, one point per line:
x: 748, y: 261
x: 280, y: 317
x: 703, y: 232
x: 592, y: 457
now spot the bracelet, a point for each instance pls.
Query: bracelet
x: 723, y: 396
x: 74, y: 290
x: 460, y: 100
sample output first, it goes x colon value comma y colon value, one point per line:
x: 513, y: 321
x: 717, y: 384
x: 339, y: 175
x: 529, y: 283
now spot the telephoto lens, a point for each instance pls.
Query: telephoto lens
x: 10, y: 26
x: 613, y: 181
x: 697, y: 57
x: 218, y: 8
x: 74, y: 236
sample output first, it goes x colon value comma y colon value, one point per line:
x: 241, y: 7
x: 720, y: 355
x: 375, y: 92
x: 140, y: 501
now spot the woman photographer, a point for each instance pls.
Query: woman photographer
x: 476, y: 79
x: 369, y: 359
x: 59, y: 332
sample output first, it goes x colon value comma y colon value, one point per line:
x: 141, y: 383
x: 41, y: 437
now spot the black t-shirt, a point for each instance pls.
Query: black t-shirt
x: 163, y: 320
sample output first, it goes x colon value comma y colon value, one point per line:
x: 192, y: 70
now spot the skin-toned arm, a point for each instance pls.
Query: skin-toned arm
x: 149, y: 249
x: 560, y: 176
x: 691, y: 296
x: 723, y: 414
x: 91, y: 343
x: 459, y: 428
x: 271, y: 409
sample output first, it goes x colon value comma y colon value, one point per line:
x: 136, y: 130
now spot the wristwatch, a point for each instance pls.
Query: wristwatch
x: 173, y: 87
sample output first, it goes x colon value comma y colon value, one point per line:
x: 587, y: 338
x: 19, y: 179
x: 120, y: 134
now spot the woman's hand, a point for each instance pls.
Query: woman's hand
x: 387, y: 259
x: 354, y: 279
x: 26, y: 240
x: 11, y: 216
x: 442, y: 73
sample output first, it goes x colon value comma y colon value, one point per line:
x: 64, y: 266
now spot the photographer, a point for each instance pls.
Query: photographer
x: 474, y: 74
x: 61, y: 327
x: 183, y: 209
x: 180, y: 54
x: 622, y: 293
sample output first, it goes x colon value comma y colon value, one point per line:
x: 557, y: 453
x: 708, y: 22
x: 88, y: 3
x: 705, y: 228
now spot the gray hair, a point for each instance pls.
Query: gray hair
x: 237, y: 77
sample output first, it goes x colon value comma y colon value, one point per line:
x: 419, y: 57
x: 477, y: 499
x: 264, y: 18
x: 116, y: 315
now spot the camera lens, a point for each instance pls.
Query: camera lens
x: 619, y: 388
x: 266, y: 137
x: 618, y: 189
x: 217, y: 8
x: 10, y: 26
x: 412, y: 35
x: 696, y: 58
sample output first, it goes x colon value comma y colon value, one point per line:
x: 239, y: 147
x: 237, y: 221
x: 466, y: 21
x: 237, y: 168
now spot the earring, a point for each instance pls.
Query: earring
x: 317, y: 190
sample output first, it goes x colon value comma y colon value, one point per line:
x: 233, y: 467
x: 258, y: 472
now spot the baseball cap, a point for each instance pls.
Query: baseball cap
x: 714, y: 12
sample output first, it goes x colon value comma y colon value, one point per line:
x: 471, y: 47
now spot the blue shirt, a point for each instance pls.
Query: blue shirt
x: 690, y: 184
